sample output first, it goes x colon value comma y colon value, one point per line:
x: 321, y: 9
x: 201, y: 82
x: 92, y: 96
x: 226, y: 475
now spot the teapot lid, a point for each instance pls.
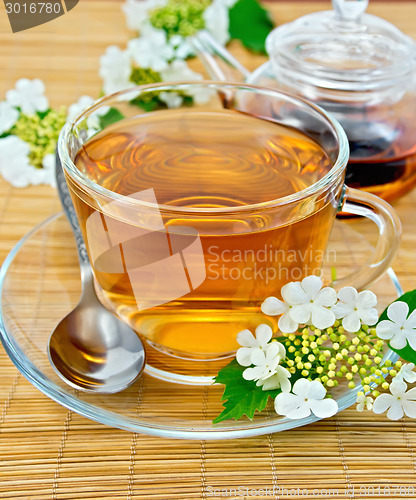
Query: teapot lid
x: 342, y: 49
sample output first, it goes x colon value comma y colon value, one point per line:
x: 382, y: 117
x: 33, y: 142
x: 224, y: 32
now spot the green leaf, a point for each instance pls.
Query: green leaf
x: 243, y: 397
x: 113, y: 115
x: 42, y: 114
x: 148, y: 105
x: 407, y: 353
x: 250, y: 23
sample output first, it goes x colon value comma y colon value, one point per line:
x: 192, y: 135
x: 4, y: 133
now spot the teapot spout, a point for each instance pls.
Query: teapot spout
x: 219, y: 63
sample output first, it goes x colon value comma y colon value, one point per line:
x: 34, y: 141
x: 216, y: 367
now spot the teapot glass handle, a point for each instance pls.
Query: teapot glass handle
x: 389, y: 226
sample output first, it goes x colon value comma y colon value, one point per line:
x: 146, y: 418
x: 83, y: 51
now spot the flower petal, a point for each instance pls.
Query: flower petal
x: 312, y: 285
x: 326, y: 297
x: 352, y: 322
x: 316, y: 390
x: 243, y: 356
x: 263, y: 334
x: 341, y: 310
x: 301, y: 411
x: 246, y: 339
x: 273, y: 306
x: 409, y: 408
x: 282, y: 350
x: 300, y: 313
x: 398, y: 387
x: 382, y: 403
x: 396, y: 411
x: 410, y: 335
x: 282, y: 372
x: 411, y: 393
x: 324, y: 408
x: 258, y: 357
x: 301, y: 388
x: 285, y: 384
x: 253, y: 373
x: 407, y: 373
x: 411, y: 320
x: 322, y: 317
x: 398, y: 312
x: 273, y: 351
x: 386, y: 329
x: 293, y: 293
x: 286, y: 324
x: 285, y: 402
x: 369, y: 316
x: 269, y: 384
x: 348, y: 294
x: 399, y: 341
x: 367, y: 299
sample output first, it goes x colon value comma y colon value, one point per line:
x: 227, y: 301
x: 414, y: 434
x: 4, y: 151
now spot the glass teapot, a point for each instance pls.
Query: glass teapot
x: 358, y: 67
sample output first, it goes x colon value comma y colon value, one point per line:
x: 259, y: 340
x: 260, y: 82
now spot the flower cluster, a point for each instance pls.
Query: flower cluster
x: 328, y: 339
x: 160, y: 51
x: 148, y: 60
x: 180, y: 19
x: 29, y: 130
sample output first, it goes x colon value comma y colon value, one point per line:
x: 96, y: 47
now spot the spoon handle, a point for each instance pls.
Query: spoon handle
x: 69, y: 210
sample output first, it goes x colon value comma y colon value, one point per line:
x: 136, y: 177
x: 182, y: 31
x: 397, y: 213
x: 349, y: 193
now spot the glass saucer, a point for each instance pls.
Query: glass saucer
x: 39, y: 284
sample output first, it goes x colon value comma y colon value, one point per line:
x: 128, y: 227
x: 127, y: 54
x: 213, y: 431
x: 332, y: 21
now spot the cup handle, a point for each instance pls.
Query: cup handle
x: 368, y: 205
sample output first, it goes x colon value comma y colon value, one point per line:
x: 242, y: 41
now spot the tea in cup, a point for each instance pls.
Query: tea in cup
x: 193, y: 215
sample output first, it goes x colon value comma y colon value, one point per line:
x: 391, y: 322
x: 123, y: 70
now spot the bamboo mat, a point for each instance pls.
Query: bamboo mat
x: 48, y: 452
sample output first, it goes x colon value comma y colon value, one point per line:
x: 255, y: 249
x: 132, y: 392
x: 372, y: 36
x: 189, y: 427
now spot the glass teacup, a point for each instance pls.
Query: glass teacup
x: 194, y: 214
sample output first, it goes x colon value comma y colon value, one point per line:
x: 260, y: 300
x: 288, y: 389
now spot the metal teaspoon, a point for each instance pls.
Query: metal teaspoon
x: 91, y: 349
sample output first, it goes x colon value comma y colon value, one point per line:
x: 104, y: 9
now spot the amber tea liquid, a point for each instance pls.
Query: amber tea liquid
x: 210, y: 160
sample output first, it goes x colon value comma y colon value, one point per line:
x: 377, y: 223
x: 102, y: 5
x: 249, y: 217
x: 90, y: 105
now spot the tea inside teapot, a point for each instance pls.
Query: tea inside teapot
x: 358, y: 67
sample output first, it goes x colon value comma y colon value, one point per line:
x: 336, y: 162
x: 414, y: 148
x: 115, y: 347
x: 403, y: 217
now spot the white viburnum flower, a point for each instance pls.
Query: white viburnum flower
x: 272, y: 306
x: 93, y: 120
x: 217, y: 20
x: 398, y: 329
x: 308, y: 396
x: 398, y: 403
x: 29, y: 96
x: 14, y: 161
x: 406, y: 373
x: 178, y: 70
x: 15, y: 166
x: 8, y: 116
x: 151, y: 50
x: 251, y: 343
x: 137, y: 12
x: 172, y: 99
x: 310, y: 302
x: 265, y: 362
x: 183, y: 49
x: 115, y: 70
x: 280, y: 380
x: 49, y: 164
x: 355, y: 308
x: 364, y: 402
